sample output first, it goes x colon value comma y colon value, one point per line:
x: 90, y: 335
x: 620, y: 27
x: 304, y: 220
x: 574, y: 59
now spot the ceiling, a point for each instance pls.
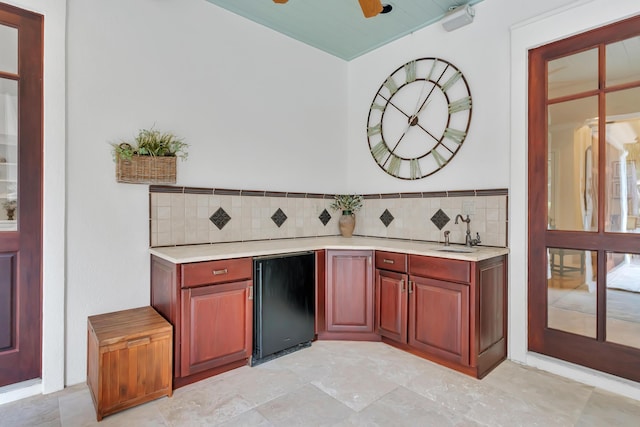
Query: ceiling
x: 338, y: 26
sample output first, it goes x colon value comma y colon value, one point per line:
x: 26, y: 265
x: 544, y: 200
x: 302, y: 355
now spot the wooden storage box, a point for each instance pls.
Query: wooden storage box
x: 129, y: 359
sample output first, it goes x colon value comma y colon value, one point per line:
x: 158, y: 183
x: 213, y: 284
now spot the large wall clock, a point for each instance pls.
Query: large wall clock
x: 419, y: 118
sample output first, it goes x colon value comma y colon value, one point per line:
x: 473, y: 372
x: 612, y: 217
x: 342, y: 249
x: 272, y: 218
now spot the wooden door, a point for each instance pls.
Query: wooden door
x: 21, y: 128
x: 350, y: 291
x: 439, y: 318
x: 217, y: 325
x: 584, y: 199
x: 391, y: 305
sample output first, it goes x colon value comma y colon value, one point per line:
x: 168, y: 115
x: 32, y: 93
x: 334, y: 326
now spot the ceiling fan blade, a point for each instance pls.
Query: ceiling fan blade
x: 280, y: 1
x: 370, y: 8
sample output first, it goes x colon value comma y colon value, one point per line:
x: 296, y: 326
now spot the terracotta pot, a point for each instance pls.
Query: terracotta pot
x: 347, y: 223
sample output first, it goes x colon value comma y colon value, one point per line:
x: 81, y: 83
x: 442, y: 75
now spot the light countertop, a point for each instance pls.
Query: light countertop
x: 216, y: 251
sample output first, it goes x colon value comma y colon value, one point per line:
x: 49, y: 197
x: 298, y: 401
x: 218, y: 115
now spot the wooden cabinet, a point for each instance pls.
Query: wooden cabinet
x: 450, y: 311
x: 128, y: 359
x: 391, y: 295
x: 349, y: 296
x: 216, y: 326
x: 210, y: 305
x: 458, y: 311
x: 439, y: 318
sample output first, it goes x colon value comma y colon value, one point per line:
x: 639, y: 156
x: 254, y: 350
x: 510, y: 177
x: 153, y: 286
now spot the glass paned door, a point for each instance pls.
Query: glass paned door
x: 584, y: 199
x: 8, y: 128
x: 21, y: 152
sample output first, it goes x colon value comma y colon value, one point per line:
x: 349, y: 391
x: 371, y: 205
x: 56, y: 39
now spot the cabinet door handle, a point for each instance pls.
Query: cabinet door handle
x: 402, y: 287
x: 388, y: 261
x: 250, y: 292
x: 410, y: 286
x: 219, y: 272
x: 141, y: 341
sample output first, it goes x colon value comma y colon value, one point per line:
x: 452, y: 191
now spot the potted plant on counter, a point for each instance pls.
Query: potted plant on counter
x: 10, y: 207
x: 150, y: 158
x: 349, y: 205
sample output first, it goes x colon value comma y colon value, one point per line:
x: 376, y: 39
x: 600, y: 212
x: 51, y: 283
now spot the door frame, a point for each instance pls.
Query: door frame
x: 26, y: 243
x: 597, y: 354
x: 534, y: 32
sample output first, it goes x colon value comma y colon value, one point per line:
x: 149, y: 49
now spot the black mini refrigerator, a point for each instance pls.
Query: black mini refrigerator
x: 284, y: 304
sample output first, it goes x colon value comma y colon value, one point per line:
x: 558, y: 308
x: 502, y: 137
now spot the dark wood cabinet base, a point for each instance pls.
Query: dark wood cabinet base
x: 349, y: 336
x: 487, y: 361
x: 183, y: 381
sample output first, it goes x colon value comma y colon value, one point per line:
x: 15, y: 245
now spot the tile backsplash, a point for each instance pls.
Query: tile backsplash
x: 185, y: 215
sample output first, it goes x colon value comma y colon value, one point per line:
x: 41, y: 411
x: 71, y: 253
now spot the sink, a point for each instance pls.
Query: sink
x: 456, y: 250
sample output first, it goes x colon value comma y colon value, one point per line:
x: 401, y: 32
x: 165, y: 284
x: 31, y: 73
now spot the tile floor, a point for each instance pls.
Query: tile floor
x: 349, y: 384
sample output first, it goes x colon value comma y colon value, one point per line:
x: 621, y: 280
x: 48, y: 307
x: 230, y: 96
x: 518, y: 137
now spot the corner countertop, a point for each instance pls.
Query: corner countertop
x: 216, y: 251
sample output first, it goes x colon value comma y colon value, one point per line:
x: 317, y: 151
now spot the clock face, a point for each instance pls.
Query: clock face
x: 419, y: 118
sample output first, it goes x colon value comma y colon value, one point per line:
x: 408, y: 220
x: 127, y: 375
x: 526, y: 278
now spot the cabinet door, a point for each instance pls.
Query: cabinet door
x: 391, y: 305
x: 349, y: 291
x: 439, y: 318
x: 217, y: 324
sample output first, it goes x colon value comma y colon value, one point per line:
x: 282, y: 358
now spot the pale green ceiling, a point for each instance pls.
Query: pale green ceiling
x: 338, y: 26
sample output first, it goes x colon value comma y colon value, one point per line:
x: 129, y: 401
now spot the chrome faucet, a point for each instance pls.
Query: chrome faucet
x: 468, y: 241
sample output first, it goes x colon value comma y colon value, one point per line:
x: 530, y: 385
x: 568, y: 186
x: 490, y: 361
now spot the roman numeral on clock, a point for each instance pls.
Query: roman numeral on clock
x: 380, y: 151
x: 410, y: 71
x: 374, y: 130
x: 460, y: 105
x: 452, y: 80
x: 455, y: 135
x: 394, y: 165
x: 414, y: 169
x: 391, y: 85
x: 439, y: 159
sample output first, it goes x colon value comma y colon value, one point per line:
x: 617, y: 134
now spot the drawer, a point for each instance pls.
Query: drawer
x: 211, y: 272
x: 391, y: 261
x: 452, y: 270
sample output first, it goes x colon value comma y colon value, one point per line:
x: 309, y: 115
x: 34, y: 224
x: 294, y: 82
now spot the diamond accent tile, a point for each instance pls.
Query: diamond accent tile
x: 386, y: 217
x: 440, y: 219
x: 279, y: 217
x: 324, y: 217
x: 220, y: 218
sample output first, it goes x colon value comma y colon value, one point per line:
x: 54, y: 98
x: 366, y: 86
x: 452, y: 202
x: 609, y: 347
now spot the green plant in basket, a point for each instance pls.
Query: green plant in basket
x: 152, y: 142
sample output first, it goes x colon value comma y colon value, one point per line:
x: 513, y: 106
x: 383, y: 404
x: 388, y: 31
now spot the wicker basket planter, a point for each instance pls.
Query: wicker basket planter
x: 146, y: 170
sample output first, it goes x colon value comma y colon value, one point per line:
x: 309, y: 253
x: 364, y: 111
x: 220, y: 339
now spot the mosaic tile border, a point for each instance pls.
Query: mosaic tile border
x: 196, y: 215
x: 264, y: 193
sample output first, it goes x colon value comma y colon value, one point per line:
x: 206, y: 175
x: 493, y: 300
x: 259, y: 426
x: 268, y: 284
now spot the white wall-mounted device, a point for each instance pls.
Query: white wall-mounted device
x: 458, y: 17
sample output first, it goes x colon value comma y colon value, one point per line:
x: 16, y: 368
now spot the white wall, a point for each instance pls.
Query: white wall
x: 481, y: 51
x: 260, y: 110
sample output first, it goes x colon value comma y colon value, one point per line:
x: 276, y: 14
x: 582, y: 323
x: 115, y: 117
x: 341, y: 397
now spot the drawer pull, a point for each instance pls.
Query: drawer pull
x: 219, y: 272
x: 141, y: 341
x: 388, y: 261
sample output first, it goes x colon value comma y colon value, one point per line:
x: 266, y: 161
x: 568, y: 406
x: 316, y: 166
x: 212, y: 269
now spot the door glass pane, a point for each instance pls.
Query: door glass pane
x: 623, y: 299
x: 573, y: 147
x: 8, y: 154
x: 623, y: 162
x: 571, y: 291
x: 573, y: 74
x: 8, y: 49
x: 623, y: 61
